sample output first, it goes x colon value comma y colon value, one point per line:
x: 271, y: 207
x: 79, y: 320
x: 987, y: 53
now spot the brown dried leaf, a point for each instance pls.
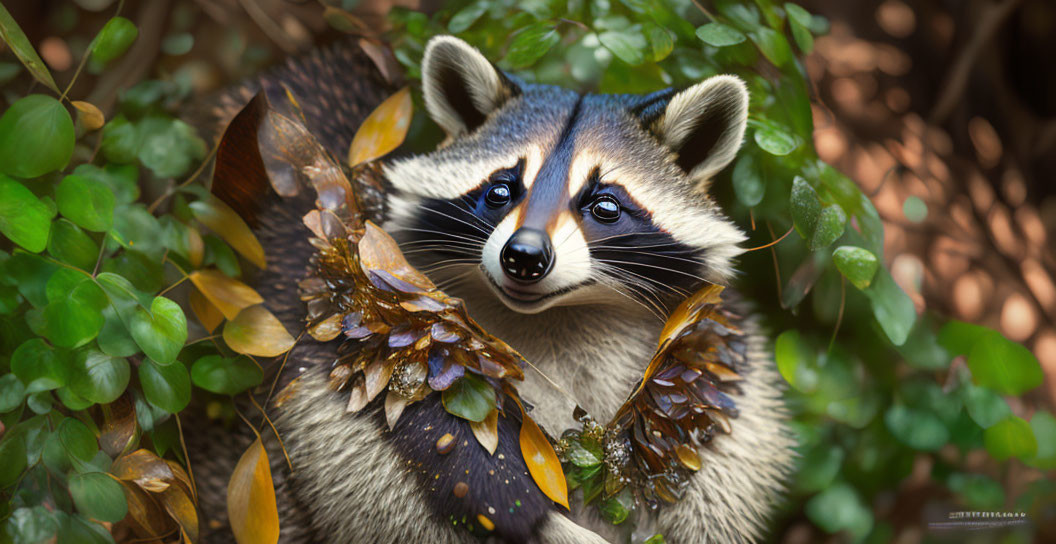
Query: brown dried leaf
x: 227, y: 294
x: 146, y: 469
x: 222, y: 220
x: 542, y: 461
x: 358, y: 399
x: 91, y: 117
x: 394, y: 405
x: 180, y: 506
x: 251, y: 506
x: 378, y: 251
x: 119, y: 431
x: 208, y: 315
x: 384, y: 130
x: 487, y: 431
x: 327, y: 329
x: 377, y: 376
x: 383, y: 59
x: 256, y: 331
x: 147, y: 518
x: 195, y: 247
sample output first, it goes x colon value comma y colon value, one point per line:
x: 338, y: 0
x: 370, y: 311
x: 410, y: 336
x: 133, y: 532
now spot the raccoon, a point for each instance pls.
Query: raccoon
x: 570, y: 224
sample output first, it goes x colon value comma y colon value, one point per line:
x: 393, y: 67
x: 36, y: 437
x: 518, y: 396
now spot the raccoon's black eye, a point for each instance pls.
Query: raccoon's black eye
x: 605, y: 209
x: 498, y: 195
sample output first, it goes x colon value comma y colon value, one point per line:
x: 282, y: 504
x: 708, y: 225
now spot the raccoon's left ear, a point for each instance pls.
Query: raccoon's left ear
x: 461, y: 88
x: 703, y: 125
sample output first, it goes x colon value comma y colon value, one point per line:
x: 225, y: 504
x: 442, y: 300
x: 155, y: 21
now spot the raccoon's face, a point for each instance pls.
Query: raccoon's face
x: 554, y: 198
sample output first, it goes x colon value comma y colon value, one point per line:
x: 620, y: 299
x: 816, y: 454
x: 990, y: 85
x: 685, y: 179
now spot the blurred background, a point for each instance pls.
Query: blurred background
x: 942, y: 111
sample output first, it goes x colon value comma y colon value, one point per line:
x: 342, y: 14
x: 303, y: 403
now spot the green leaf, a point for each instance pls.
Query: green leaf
x: 775, y: 140
x: 74, y: 313
x: 72, y: 400
x: 120, y: 140
x: 169, y: 147
x: 627, y: 45
x: 114, y: 39
x: 829, y: 227
x: 121, y: 179
x: 166, y: 386
x: 984, y: 406
x: 86, y: 202
x: 470, y: 398
x: 78, y: 441
x: 31, y: 525
x: 616, y: 509
x: 226, y: 376
x: 1004, y: 366
x: 892, y: 307
x: 530, y: 44
x: 136, y: 228
x: 661, y: 41
x: 819, y: 468
x: 795, y: 361
x: 801, y: 35
x: 797, y: 14
x: 773, y: 45
x: 584, y: 453
x: 977, y: 491
x: 24, y: 219
x: 160, y: 332
x: 69, y: 244
x: 19, y: 44
x: 720, y: 35
x: 12, y: 460
x: 98, y: 377
x: 466, y: 17
x: 856, y: 264
x: 12, y: 393
x: 748, y: 182
x: 98, y: 496
x: 1044, y: 427
x: 36, y: 137
x: 76, y: 529
x: 39, y: 366
x: 917, y: 428
x: 959, y: 337
x: 40, y: 403
x: 1010, y: 437
x: 840, y: 508
x: 806, y: 208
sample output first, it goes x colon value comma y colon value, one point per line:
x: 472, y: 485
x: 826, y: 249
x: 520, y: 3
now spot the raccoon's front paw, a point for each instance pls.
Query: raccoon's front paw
x: 558, y: 529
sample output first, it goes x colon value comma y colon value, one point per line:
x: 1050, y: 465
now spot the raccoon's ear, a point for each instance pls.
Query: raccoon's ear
x: 461, y: 87
x: 703, y: 125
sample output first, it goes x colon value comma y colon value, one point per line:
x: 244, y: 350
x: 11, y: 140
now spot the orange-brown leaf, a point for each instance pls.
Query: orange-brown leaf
x: 119, y: 431
x: 229, y: 295
x: 251, y: 506
x: 394, y: 405
x: 91, y: 117
x: 178, y: 503
x: 195, y: 247
x: 378, y: 251
x: 256, y: 331
x: 148, y: 518
x: 487, y: 431
x: 208, y: 315
x: 146, y: 469
x: 542, y: 461
x: 384, y: 130
x: 222, y: 220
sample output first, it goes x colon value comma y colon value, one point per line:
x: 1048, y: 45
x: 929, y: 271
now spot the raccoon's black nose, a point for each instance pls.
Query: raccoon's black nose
x: 528, y: 255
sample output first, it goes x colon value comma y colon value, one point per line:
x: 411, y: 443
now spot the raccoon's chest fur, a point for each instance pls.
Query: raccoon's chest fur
x: 592, y: 354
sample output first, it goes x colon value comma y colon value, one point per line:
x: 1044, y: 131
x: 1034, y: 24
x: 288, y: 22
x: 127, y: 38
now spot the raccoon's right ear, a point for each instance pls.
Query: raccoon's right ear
x: 703, y: 125
x: 461, y: 87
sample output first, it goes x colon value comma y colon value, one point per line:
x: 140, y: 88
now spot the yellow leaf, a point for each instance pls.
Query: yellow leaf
x: 542, y: 461
x: 195, y: 247
x: 229, y: 295
x: 256, y: 331
x: 251, y: 506
x: 384, y: 130
x: 487, y: 431
x: 89, y: 115
x: 327, y: 329
x: 208, y: 315
x: 222, y: 220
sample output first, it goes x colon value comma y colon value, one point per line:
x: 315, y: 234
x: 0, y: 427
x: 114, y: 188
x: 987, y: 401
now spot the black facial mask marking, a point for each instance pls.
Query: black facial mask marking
x: 646, y: 260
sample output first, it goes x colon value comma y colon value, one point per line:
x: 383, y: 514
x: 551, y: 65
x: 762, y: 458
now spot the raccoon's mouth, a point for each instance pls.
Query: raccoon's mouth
x: 521, y: 299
